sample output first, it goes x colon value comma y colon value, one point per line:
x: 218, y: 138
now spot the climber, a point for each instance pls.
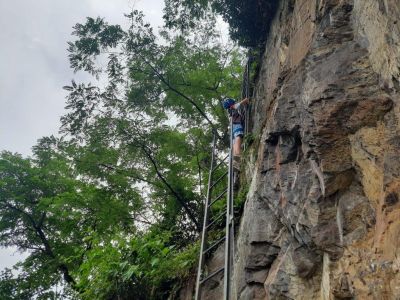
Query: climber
x: 238, y: 118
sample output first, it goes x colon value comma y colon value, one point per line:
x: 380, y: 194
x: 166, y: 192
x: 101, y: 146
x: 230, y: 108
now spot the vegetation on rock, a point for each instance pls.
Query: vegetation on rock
x: 249, y: 21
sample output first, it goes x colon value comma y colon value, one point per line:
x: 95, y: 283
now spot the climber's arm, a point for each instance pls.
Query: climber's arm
x: 245, y: 101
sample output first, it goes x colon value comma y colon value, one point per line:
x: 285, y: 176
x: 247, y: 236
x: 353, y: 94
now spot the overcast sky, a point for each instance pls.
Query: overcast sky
x: 34, y: 66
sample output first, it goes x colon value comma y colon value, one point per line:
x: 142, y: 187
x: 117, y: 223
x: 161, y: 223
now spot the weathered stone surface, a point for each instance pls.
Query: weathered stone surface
x: 213, y: 288
x: 306, y: 261
x: 327, y: 109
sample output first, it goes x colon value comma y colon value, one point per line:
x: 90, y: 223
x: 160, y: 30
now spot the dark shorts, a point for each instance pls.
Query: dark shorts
x: 237, y: 130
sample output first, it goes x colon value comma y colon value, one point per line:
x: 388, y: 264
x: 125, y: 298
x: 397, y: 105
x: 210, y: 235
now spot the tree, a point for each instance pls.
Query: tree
x: 182, y: 78
x: 48, y: 212
x: 24, y: 190
x: 113, y: 207
x: 249, y: 21
x: 11, y: 288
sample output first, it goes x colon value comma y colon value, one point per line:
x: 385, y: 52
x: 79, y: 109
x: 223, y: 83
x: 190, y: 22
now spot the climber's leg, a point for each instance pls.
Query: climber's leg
x: 237, y: 146
x: 237, y: 138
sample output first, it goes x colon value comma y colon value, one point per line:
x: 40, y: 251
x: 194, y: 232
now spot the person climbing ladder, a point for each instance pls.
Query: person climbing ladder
x: 237, y: 114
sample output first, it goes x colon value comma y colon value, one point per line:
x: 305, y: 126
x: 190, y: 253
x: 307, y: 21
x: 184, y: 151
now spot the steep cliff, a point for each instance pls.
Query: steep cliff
x: 321, y: 219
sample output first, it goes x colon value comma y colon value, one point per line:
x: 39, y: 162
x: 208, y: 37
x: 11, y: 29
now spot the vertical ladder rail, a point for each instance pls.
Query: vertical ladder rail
x: 229, y: 229
x: 203, y: 244
x: 247, y: 93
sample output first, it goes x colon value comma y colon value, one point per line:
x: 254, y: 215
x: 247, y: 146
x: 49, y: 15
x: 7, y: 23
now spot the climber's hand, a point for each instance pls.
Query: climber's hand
x: 245, y: 101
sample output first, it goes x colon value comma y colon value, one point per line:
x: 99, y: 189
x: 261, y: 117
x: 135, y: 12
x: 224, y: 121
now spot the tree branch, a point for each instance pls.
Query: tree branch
x: 182, y: 201
x: 166, y: 82
x: 47, y: 248
x: 177, y: 196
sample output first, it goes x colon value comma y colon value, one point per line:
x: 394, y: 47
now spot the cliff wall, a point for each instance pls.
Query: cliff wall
x: 322, y: 215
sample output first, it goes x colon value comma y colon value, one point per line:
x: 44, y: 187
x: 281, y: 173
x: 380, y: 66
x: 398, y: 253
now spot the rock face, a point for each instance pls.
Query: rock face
x: 321, y: 219
x: 322, y: 216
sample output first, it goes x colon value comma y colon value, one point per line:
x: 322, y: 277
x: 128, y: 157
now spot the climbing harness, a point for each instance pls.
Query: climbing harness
x: 210, y: 221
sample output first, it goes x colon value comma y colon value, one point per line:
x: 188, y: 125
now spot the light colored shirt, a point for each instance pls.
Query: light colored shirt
x: 236, y: 105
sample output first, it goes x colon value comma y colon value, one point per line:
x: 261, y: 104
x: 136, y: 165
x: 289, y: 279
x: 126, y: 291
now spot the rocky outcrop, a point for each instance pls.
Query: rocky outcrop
x: 321, y: 219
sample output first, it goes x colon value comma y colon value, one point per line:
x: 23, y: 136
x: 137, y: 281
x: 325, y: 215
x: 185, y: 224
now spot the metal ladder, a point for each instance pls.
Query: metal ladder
x: 210, y: 221
x: 246, y: 92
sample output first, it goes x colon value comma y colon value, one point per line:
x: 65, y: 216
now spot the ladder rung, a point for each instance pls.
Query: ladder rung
x: 219, y: 197
x: 214, y: 245
x: 212, y: 275
x: 216, y: 219
x: 219, y: 179
x: 220, y: 163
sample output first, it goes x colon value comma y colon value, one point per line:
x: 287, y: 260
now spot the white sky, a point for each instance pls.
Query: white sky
x: 34, y: 66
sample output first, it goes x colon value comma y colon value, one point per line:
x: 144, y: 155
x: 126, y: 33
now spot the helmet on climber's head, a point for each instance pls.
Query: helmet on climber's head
x: 228, y: 102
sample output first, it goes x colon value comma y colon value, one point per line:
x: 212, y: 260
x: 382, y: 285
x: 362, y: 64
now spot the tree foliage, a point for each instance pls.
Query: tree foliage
x: 112, y: 208
x: 249, y: 20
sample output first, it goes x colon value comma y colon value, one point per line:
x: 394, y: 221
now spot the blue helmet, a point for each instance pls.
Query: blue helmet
x: 228, y: 102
